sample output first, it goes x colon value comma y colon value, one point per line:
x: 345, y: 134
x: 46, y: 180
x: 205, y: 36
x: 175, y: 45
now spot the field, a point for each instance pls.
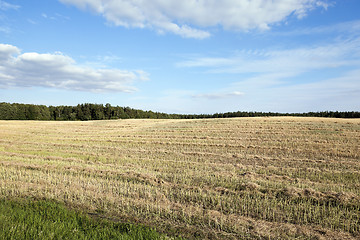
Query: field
x: 240, y: 178
x: 47, y: 219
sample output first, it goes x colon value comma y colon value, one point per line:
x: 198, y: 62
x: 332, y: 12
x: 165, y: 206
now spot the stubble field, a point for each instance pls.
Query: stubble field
x: 241, y: 178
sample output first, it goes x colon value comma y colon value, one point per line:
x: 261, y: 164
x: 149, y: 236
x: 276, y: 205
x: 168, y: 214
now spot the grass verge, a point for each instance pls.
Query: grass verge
x: 44, y: 219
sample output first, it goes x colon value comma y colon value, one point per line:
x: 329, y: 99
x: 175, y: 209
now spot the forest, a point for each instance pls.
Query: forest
x: 89, y: 111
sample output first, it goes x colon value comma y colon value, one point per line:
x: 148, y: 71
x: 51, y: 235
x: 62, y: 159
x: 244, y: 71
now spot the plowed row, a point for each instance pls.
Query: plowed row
x: 237, y: 178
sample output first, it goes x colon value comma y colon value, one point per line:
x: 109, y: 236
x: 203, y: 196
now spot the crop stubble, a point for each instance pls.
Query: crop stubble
x: 279, y: 177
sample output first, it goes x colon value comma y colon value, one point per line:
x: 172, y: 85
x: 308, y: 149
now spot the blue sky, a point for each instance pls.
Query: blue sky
x: 191, y: 56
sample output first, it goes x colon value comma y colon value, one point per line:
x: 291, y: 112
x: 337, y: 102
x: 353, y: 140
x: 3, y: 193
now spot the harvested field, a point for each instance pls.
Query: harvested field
x: 250, y: 178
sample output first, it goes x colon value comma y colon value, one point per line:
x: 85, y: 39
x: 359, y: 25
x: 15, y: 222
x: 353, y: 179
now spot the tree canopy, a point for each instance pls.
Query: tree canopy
x: 89, y: 111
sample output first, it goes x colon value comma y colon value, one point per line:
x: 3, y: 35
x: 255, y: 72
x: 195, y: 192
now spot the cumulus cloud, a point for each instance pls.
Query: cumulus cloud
x: 57, y: 70
x: 6, y: 51
x: 187, y: 18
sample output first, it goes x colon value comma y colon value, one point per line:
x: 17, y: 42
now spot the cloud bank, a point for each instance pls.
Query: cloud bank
x: 56, y: 70
x: 189, y: 18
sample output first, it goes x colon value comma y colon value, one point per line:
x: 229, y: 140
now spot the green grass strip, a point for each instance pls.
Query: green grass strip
x: 42, y: 219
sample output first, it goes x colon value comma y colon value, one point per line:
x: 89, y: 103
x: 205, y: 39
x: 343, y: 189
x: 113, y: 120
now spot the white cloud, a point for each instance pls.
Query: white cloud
x: 339, y: 93
x: 6, y: 52
x: 4, y: 29
x: 349, y: 27
x: 31, y: 21
x: 60, y: 71
x: 7, y: 6
x: 313, y: 78
x: 219, y: 95
x: 264, y: 93
x: 286, y: 61
x: 57, y: 16
x: 186, y: 18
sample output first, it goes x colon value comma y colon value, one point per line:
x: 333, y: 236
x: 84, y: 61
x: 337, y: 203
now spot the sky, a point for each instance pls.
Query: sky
x: 190, y: 56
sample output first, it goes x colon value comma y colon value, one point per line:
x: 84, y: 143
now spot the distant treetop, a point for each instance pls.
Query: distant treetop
x: 89, y: 111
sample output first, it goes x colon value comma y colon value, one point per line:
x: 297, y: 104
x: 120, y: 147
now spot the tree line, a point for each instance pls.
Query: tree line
x: 88, y: 111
